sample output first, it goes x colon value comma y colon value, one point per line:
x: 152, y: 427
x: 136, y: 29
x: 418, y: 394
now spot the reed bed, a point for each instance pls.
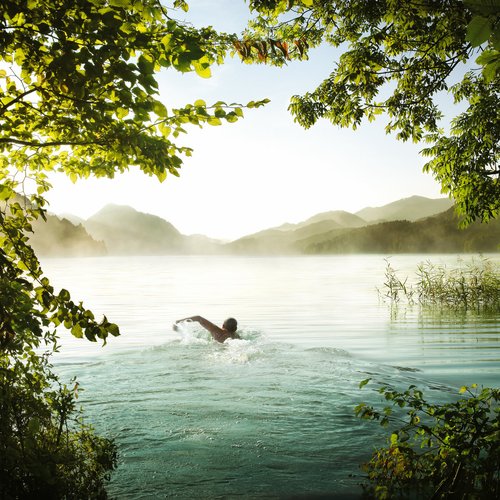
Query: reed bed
x: 472, y: 285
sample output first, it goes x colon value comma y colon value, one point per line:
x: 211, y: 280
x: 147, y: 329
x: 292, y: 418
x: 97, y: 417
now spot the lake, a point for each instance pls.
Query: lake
x: 270, y: 415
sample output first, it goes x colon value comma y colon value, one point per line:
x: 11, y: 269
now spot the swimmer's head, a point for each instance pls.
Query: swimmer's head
x: 231, y: 325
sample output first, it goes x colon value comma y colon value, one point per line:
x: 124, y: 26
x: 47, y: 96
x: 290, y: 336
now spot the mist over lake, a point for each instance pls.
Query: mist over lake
x: 270, y: 415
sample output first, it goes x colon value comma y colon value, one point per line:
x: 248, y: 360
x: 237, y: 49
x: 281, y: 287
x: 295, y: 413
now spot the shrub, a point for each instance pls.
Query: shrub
x: 46, y: 450
x: 449, y: 450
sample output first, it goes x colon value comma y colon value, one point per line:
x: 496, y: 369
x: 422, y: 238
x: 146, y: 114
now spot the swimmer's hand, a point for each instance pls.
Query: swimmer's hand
x: 175, y: 328
x: 187, y: 320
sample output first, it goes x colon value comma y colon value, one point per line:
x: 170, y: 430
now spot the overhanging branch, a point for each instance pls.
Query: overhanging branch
x: 37, y: 144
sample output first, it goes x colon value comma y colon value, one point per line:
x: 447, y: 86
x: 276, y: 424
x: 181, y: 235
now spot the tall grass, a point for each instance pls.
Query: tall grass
x: 473, y: 285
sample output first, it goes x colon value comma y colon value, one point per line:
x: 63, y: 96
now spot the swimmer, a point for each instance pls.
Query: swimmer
x: 228, y: 330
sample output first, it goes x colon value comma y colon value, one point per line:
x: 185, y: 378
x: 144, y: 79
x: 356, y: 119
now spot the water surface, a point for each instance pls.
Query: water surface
x: 270, y: 415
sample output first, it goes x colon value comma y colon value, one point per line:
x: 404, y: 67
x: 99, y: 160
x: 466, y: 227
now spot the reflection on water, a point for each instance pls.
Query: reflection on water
x: 454, y: 345
x: 270, y: 415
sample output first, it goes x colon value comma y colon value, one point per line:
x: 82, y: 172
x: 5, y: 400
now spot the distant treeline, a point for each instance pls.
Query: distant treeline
x: 437, y: 234
x: 60, y: 238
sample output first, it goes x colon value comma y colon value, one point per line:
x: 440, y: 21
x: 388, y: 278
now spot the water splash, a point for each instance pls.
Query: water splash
x: 237, y: 351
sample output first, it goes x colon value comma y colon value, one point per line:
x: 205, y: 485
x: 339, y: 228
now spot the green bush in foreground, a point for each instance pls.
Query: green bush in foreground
x: 46, y: 450
x: 449, y: 450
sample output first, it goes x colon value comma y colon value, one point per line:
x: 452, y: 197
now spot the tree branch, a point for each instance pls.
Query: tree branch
x: 16, y: 99
x: 35, y: 144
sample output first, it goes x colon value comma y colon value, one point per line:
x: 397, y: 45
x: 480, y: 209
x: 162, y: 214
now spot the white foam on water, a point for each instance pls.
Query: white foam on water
x: 232, y: 351
x: 236, y: 351
x: 191, y: 333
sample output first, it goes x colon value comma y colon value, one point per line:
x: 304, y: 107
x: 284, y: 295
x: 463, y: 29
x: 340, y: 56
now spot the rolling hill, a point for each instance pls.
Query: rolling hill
x: 437, y: 234
x: 284, y: 239
x: 125, y: 231
x: 411, y: 209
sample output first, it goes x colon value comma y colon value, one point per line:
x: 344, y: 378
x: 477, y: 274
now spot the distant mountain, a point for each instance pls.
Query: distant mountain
x: 199, y: 244
x: 125, y: 231
x: 60, y: 237
x: 57, y: 236
x: 342, y: 218
x: 436, y: 234
x: 285, y: 239
x: 411, y: 209
x: 75, y: 220
x: 270, y: 241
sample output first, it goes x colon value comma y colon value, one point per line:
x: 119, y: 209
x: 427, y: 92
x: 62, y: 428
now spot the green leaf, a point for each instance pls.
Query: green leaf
x: 364, y: 382
x: 488, y: 57
x: 164, y: 130
x: 121, y: 113
x: 64, y: 295
x: 200, y: 103
x: 119, y: 3
x: 214, y: 121
x: 77, y: 331
x: 19, y: 56
x: 161, y: 175
x: 490, y: 60
x: 114, y: 330
x: 160, y: 109
x: 478, y: 30
x: 232, y: 117
x: 202, y: 70
x: 145, y: 65
x: 182, y: 4
x: 5, y: 192
x: 483, y: 7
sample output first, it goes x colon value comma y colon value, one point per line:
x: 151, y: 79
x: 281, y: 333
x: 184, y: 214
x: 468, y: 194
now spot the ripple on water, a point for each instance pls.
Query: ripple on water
x: 194, y: 418
x: 272, y: 415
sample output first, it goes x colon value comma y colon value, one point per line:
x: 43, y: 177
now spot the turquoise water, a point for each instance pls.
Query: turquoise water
x: 270, y: 415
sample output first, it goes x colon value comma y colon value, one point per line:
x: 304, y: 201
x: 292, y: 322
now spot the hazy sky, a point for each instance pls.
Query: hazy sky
x: 263, y: 170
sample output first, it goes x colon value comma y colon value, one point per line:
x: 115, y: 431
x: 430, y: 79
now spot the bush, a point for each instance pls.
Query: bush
x: 45, y: 448
x: 447, y: 450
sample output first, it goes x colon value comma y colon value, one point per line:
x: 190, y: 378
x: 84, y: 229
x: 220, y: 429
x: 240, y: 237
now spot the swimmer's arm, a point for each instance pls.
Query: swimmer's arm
x: 217, y: 333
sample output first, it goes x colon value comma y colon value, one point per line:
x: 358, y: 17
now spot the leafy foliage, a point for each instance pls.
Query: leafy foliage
x: 397, y: 58
x: 45, y: 449
x: 449, y: 450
